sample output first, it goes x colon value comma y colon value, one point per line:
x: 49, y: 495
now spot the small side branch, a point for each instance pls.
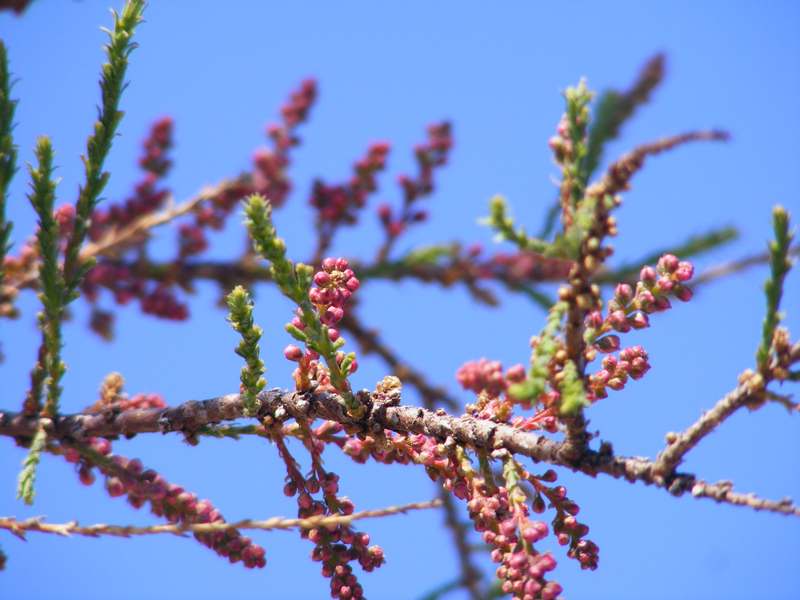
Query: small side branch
x: 722, y: 491
x: 682, y: 443
x: 20, y: 528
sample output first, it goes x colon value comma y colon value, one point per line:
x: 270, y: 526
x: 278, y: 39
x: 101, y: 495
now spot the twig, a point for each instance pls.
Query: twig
x: 680, y: 444
x: 722, y: 491
x: 20, y: 528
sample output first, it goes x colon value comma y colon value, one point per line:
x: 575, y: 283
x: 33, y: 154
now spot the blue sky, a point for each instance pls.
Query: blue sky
x: 385, y: 71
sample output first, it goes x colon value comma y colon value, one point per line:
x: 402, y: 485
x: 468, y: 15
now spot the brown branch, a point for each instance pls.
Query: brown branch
x: 20, y: 528
x: 751, y: 392
x: 722, y: 491
x: 617, y: 177
x: 678, y: 444
x: 467, y: 431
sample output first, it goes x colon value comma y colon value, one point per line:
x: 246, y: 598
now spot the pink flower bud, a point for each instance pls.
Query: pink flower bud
x: 332, y: 315
x: 618, y: 321
x: 594, y: 319
x: 662, y: 304
x: 623, y: 292
x: 648, y: 275
x: 616, y: 383
x: 606, y: 344
x: 322, y: 278
x: 668, y: 263
x: 639, y: 320
x: 683, y: 293
x: 685, y: 271
x: 516, y: 374
x: 665, y: 284
x: 293, y: 353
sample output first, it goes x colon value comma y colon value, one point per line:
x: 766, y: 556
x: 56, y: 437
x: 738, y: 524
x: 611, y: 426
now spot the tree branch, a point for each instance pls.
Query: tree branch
x: 465, y: 430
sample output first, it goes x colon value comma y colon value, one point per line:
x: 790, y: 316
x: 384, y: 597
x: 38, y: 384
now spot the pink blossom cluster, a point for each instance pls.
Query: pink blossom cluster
x: 156, y: 299
x: 429, y: 156
x: 507, y: 528
x: 65, y: 218
x: 335, y: 547
x: 629, y: 308
x: 156, y: 145
x: 269, y: 174
x: 392, y: 449
x: 566, y: 527
x: 310, y: 372
x: 486, y: 378
x: 632, y: 362
x: 341, y: 202
x: 335, y: 283
x: 127, y: 477
x: 511, y: 534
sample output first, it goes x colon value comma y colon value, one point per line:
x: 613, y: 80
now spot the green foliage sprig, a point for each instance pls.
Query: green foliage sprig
x: 779, y: 265
x: 8, y: 151
x: 693, y: 246
x: 573, y: 394
x: 112, y: 83
x: 27, y: 477
x: 503, y: 224
x: 240, y: 305
x: 575, y: 176
x: 49, y: 368
x: 42, y: 198
x: 543, y: 352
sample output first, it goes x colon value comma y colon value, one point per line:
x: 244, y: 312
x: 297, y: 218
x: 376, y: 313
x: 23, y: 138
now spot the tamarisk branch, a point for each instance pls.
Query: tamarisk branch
x: 468, y: 431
